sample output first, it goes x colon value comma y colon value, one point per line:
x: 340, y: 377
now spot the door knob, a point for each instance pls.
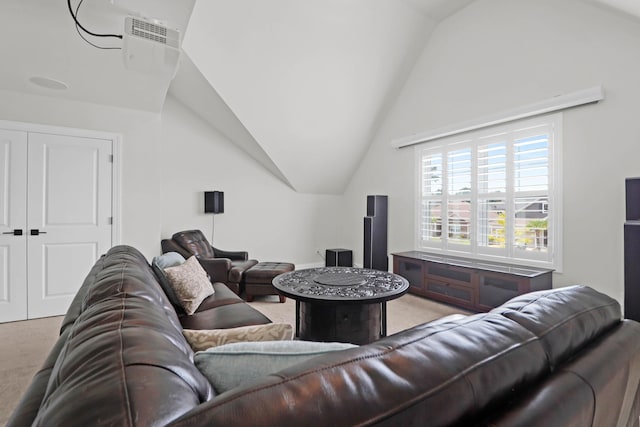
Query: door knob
x: 35, y: 232
x: 15, y: 232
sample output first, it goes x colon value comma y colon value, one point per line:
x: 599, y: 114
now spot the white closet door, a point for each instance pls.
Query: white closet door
x: 69, y: 216
x: 13, y: 214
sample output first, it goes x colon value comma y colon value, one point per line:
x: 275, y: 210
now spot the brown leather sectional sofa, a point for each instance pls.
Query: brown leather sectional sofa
x: 554, y: 358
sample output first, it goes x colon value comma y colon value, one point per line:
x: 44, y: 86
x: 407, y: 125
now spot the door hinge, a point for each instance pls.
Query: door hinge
x: 110, y: 158
x: 110, y: 220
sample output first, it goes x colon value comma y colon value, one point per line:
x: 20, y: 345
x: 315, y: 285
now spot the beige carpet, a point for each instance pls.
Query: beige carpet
x: 26, y: 344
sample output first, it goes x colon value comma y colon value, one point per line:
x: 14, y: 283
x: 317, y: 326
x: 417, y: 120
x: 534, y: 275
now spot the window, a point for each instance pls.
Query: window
x: 493, y: 194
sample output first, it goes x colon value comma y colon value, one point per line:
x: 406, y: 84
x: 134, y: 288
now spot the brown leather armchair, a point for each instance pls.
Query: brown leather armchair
x: 223, y: 266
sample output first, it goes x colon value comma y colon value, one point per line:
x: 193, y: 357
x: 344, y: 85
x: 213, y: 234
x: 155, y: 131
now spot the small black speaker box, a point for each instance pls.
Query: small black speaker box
x: 338, y: 258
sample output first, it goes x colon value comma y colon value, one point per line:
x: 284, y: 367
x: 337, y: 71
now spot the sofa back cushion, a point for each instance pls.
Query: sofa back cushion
x: 125, y: 361
x: 600, y: 387
x: 564, y: 319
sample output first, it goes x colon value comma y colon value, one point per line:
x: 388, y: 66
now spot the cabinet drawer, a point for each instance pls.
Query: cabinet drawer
x: 449, y: 292
x: 448, y: 273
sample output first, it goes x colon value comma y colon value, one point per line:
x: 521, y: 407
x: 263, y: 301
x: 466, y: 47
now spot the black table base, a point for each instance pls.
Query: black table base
x: 353, y: 323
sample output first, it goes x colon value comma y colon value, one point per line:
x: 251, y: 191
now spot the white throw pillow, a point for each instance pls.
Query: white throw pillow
x: 202, y: 339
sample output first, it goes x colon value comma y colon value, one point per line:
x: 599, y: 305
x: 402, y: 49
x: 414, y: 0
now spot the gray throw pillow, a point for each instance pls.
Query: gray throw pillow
x: 232, y: 365
x: 159, y: 263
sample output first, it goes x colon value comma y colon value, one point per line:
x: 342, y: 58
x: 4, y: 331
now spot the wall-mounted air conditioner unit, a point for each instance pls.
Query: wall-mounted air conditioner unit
x: 150, y: 47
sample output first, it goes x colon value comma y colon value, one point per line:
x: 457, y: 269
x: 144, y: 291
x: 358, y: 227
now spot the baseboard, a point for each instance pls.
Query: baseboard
x: 309, y: 265
x: 318, y: 264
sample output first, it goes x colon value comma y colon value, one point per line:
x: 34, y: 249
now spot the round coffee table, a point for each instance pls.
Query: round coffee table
x: 342, y: 304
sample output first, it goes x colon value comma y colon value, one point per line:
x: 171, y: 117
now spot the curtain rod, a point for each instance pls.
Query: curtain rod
x: 556, y: 103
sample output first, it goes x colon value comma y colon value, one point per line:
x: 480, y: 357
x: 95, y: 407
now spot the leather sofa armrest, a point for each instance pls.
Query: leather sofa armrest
x: 232, y: 255
x: 216, y: 268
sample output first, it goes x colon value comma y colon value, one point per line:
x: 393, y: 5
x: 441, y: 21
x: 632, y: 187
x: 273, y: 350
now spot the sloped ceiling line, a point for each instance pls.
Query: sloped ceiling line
x: 308, y: 80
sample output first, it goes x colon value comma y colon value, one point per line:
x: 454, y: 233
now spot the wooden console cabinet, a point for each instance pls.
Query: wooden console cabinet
x: 471, y: 284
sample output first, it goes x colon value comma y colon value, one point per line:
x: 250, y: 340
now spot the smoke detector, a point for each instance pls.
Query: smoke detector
x: 150, y: 47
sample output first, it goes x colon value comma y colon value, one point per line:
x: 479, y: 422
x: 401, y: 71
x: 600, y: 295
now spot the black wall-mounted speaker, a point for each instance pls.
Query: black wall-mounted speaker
x: 375, y: 234
x: 214, y: 202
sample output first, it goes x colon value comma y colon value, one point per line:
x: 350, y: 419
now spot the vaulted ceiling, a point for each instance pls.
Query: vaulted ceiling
x: 300, y: 86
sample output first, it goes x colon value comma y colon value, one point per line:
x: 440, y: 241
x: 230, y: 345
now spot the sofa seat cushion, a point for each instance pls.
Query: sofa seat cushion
x: 231, y: 365
x: 222, y: 296
x: 226, y: 314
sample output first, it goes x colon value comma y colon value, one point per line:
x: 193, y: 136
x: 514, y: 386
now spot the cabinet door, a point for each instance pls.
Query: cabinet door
x: 495, y: 289
x: 412, y: 270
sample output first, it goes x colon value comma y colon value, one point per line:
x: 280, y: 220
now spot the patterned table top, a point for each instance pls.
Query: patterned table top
x: 341, y: 284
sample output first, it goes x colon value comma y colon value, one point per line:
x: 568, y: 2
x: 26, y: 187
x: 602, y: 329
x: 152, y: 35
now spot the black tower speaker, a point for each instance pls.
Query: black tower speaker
x: 375, y: 234
x: 214, y: 202
x: 632, y: 250
x: 632, y: 271
x: 633, y: 199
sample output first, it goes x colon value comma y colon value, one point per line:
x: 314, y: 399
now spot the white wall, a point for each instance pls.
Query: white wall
x: 262, y: 215
x: 140, y: 222
x: 499, y: 54
x: 169, y: 159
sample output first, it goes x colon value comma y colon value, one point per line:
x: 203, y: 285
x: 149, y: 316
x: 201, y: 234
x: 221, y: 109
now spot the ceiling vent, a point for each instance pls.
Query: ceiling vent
x: 150, y: 48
